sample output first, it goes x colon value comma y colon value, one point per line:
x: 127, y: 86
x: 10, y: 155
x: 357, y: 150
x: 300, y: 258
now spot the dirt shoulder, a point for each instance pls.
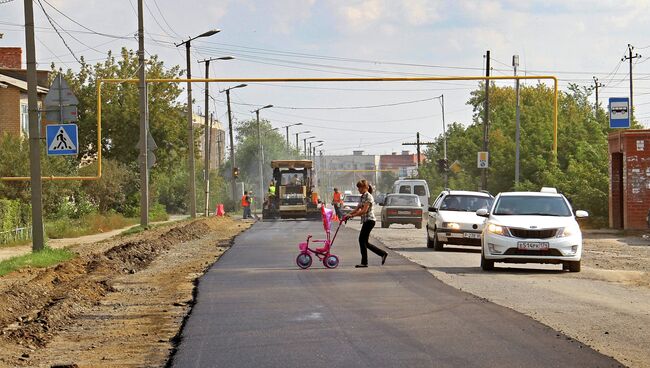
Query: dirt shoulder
x: 120, y: 303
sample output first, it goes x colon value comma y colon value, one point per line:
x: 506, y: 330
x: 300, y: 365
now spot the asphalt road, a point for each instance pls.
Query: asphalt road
x: 255, y: 308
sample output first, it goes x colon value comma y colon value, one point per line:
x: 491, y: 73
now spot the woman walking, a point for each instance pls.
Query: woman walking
x: 365, y: 210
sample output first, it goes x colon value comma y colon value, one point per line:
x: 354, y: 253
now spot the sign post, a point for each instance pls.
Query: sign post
x: 619, y: 112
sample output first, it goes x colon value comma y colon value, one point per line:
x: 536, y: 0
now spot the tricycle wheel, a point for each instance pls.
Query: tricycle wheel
x: 331, y: 261
x: 303, y: 260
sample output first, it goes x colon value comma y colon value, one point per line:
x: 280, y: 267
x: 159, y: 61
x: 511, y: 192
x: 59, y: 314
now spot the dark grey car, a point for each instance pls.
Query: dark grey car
x: 401, y: 209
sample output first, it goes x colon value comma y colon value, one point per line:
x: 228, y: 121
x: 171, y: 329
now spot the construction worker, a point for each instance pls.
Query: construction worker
x: 337, y: 202
x: 246, y: 205
x: 271, y: 188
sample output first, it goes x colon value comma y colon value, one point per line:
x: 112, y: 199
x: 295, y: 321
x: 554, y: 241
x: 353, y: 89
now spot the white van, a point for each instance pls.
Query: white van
x: 414, y: 186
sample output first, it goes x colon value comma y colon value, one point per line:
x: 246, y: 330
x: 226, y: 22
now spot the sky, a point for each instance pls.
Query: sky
x: 573, y: 40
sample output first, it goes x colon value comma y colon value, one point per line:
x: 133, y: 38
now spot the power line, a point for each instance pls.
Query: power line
x: 57, y: 31
x: 81, y: 25
x: 346, y: 107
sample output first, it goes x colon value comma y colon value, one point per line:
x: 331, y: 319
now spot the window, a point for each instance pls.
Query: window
x: 465, y: 203
x: 24, y: 119
x: 532, y: 205
x: 397, y: 200
x: 405, y: 189
x: 419, y: 190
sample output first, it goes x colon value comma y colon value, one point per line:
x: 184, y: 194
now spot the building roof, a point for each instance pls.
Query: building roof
x: 22, y: 85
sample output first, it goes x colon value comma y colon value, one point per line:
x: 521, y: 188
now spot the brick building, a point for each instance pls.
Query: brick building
x: 13, y: 92
x: 217, y: 140
x: 629, y: 169
x: 405, y: 164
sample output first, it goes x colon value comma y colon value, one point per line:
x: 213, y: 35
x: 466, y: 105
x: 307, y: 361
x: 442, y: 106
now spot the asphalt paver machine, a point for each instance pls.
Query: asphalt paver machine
x: 295, y: 191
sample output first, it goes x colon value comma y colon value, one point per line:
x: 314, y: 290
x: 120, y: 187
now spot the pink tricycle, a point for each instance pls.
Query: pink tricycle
x: 329, y: 260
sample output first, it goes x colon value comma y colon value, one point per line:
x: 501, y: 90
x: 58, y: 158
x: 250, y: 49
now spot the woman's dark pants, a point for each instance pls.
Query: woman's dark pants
x: 364, y: 245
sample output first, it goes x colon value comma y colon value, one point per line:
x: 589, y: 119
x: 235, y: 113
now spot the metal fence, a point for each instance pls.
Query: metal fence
x: 19, y: 233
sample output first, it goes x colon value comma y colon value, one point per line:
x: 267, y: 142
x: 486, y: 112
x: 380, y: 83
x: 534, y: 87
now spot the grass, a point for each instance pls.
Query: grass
x: 16, y: 243
x: 45, y: 258
x: 90, y: 224
x: 139, y: 228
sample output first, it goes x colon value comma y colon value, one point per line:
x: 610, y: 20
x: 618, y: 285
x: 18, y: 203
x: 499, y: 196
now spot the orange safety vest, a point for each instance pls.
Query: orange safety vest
x: 337, y: 197
x: 244, y: 202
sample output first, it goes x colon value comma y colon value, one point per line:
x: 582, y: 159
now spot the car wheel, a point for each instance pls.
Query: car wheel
x: 571, y: 266
x: 486, y: 264
x: 437, y: 244
x: 429, y: 241
x: 418, y: 225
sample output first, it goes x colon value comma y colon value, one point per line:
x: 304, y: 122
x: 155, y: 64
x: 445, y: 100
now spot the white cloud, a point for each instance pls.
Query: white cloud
x: 362, y: 15
x: 419, y: 12
x: 287, y: 14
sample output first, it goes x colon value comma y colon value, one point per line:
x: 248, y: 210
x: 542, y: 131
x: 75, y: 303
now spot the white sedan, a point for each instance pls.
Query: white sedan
x: 531, y: 227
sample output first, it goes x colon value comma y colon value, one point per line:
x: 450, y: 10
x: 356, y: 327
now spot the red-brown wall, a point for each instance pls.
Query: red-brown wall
x: 629, y: 152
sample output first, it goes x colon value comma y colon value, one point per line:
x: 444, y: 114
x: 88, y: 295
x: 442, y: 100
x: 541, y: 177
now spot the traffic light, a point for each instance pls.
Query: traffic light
x: 235, y: 172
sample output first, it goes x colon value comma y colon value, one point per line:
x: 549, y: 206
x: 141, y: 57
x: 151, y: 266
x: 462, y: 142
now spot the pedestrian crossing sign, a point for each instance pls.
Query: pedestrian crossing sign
x: 62, y: 139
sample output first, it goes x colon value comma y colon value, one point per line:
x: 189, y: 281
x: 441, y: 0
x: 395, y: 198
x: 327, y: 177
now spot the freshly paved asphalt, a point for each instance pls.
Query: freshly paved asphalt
x: 255, y: 308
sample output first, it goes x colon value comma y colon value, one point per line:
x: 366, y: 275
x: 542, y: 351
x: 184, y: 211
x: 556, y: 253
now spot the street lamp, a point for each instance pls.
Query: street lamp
x: 304, y: 141
x: 298, y: 144
x: 287, y: 127
x: 190, y: 129
x: 232, y: 143
x: 260, y: 149
x: 321, y: 141
x: 206, y: 134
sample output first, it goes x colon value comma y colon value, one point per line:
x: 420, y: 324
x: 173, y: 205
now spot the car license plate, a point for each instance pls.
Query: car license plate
x: 403, y: 212
x: 532, y: 245
x: 472, y: 235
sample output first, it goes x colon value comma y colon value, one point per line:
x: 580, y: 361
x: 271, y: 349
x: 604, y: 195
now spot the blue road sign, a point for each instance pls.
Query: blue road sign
x: 619, y: 112
x: 62, y: 139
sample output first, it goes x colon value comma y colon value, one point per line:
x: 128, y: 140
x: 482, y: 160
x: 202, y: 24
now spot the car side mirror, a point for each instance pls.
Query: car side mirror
x: 432, y: 209
x: 482, y: 212
x: 582, y: 214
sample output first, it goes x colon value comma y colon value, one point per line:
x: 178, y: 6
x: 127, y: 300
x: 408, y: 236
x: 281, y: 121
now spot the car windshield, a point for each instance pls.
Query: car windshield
x: 532, y: 206
x: 465, y: 203
x: 398, y: 200
x: 352, y: 198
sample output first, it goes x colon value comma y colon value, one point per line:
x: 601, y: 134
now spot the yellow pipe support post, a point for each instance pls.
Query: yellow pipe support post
x: 291, y: 80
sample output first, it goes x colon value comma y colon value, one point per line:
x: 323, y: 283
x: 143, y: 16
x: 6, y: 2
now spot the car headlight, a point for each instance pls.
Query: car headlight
x: 498, y: 229
x: 451, y: 225
x: 568, y: 231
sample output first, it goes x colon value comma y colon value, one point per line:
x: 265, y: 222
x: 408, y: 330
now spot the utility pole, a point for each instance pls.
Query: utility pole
x: 630, y: 58
x: 144, y: 123
x: 287, y: 128
x: 444, y: 137
x: 38, y: 236
x: 515, y: 64
x: 190, y: 135
x: 233, y: 182
x: 206, y: 135
x: 597, y: 85
x: 190, y: 127
x: 260, y: 150
x: 486, y: 119
x: 417, y: 144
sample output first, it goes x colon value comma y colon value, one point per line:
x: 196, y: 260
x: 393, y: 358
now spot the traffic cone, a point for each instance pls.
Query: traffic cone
x: 220, y: 211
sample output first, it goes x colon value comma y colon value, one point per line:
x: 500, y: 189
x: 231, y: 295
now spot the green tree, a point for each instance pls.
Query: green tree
x: 580, y: 170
